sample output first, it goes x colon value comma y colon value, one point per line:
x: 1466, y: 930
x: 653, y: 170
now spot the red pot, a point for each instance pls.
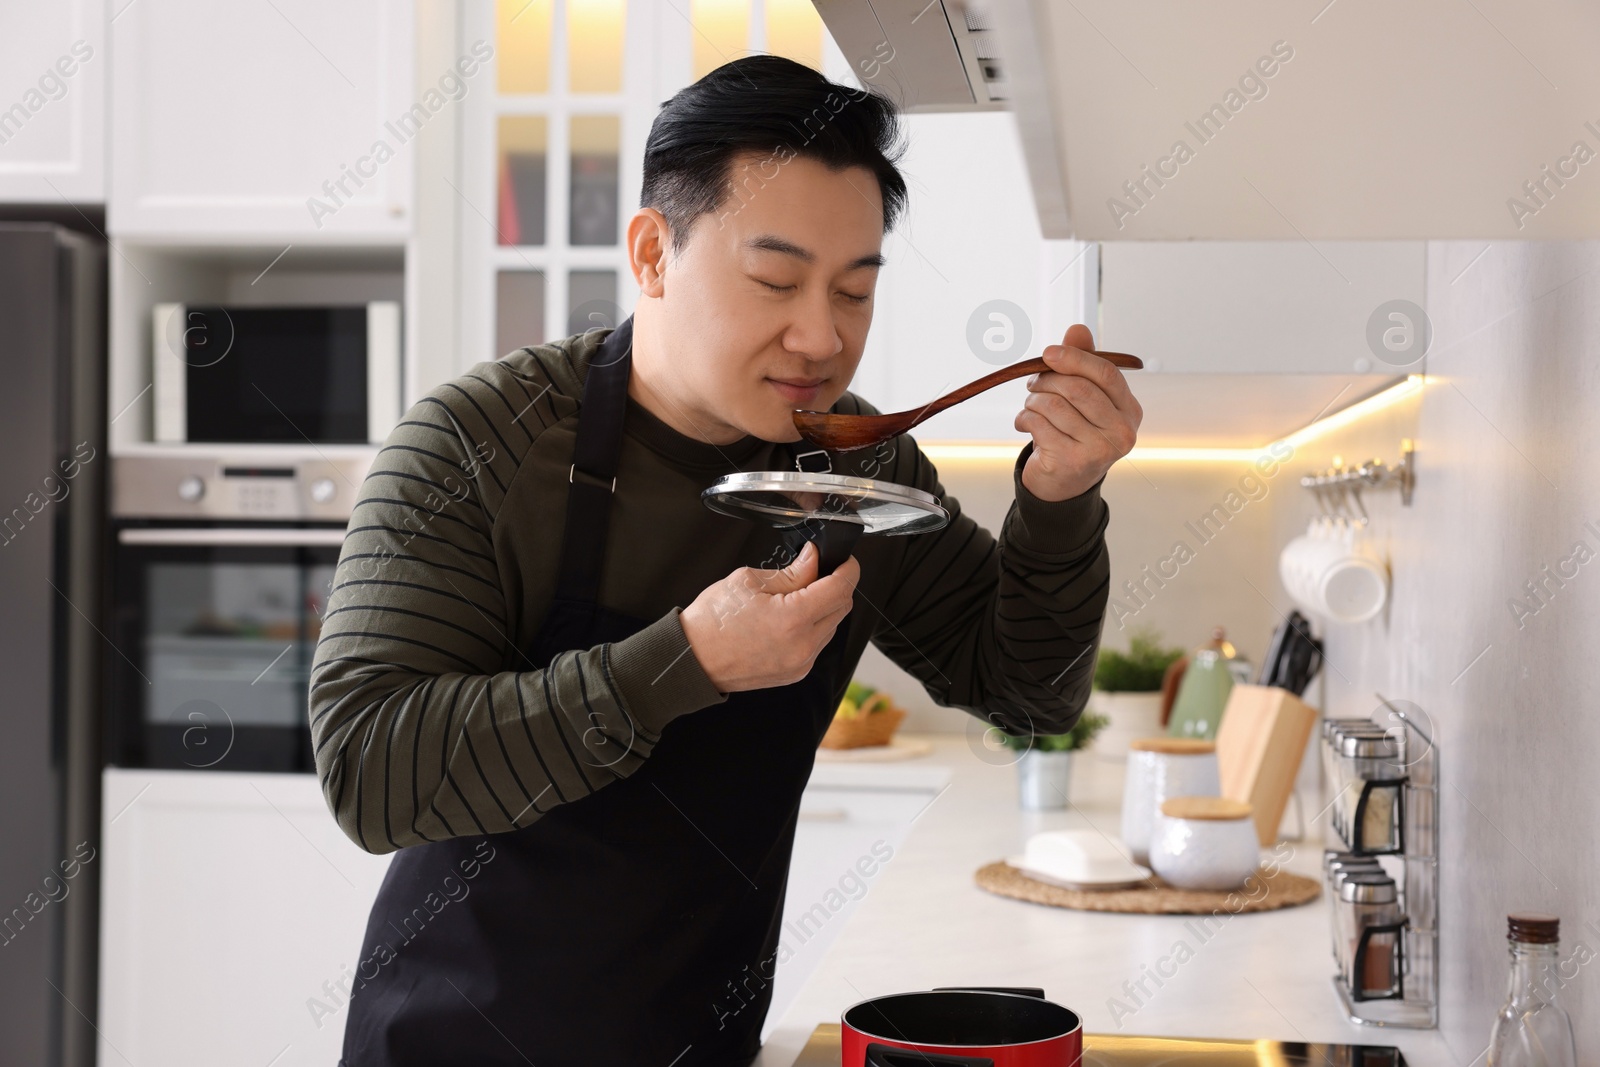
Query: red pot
x: 990, y: 1027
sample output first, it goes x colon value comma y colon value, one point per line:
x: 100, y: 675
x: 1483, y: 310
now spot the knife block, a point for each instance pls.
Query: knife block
x: 1260, y: 744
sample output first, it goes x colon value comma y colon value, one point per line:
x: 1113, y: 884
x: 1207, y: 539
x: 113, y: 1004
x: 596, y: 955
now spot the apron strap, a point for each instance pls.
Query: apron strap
x: 593, y: 475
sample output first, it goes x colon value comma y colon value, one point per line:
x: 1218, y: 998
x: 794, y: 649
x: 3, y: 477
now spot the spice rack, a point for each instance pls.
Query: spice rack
x: 1385, y: 822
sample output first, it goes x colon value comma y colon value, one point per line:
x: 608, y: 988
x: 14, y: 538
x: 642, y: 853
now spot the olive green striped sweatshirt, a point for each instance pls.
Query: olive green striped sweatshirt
x: 429, y: 718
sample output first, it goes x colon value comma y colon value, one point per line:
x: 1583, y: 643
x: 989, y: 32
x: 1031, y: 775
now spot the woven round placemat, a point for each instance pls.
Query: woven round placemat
x: 1261, y: 892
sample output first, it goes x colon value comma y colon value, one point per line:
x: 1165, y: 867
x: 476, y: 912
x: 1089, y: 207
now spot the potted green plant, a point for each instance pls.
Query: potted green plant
x: 1044, y: 762
x: 1127, y: 691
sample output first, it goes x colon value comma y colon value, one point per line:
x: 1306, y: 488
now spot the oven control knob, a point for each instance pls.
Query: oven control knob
x: 323, y: 491
x: 192, y: 488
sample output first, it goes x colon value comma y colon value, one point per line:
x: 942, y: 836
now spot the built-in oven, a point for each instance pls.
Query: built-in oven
x: 221, y: 570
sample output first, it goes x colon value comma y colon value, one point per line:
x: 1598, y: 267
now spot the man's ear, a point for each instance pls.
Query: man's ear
x: 649, y: 239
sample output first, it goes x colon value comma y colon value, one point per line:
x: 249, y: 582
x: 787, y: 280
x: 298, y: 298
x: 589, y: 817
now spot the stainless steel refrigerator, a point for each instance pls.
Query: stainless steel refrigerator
x: 52, y: 521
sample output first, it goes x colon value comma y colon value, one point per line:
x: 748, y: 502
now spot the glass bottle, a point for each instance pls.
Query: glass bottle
x: 1533, y: 1030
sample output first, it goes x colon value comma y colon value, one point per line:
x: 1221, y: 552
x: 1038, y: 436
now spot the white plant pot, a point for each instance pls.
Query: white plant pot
x: 1131, y: 715
x: 1044, y: 780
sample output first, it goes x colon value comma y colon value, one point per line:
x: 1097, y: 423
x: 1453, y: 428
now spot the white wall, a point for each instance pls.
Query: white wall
x: 1226, y: 583
x: 1507, y: 431
x: 970, y: 236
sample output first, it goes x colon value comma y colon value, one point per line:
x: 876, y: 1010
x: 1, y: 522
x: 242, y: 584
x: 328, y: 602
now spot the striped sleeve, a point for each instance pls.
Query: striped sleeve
x: 427, y: 721
x: 1006, y: 630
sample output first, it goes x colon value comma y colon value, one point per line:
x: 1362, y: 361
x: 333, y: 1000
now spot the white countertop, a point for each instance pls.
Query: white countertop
x: 924, y: 923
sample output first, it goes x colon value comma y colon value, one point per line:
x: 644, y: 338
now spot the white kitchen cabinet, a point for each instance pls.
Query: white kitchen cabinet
x: 853, y: 819
x: 1245, y: 342
x: 291, y: 118
x: 1255, y: 307
x: 53, y: 64
x: 229, y: 900
x: 1258, y: 120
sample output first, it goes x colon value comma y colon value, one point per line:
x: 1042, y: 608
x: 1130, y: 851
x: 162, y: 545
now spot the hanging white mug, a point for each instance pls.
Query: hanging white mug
x: 1354, y: 584
x: 1331, y: 573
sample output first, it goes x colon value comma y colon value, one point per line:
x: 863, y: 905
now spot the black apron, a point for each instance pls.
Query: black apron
x: 638, y: 925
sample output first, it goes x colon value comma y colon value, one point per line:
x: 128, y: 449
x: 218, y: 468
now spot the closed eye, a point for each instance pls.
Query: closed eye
x: 852, y: 297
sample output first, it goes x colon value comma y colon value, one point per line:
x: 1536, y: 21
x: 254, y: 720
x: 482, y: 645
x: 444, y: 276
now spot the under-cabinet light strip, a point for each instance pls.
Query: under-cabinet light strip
x: 1007, y: 451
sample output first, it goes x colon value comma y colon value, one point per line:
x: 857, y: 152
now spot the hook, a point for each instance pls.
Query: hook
x: 1355, y: 495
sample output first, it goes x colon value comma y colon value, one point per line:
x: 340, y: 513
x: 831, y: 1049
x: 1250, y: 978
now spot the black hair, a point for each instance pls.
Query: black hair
x: 778, y: 109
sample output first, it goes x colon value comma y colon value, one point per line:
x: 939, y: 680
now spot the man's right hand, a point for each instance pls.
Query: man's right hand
x: 756, y: 629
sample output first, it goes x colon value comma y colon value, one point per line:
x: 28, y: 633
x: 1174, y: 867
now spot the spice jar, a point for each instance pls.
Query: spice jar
x: 1368, y: 806
x: 1335, y: 866
x: 1333, y: 733
x: 1370, y: 924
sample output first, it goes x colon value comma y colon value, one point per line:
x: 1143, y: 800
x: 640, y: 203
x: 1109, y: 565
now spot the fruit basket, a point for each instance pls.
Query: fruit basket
x: 865, y: 717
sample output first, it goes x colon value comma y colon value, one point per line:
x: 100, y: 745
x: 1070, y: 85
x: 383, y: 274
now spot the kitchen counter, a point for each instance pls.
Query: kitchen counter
x: 924, y: 923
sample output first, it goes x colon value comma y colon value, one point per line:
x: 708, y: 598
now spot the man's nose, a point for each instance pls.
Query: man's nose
x: 814, y: 334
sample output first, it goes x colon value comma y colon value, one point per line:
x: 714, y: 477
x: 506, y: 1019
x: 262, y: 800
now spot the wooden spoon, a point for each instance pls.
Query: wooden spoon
x: 846, y: 433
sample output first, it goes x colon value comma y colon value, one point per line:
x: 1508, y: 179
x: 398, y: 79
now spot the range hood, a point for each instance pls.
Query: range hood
x: 938, y: 56
x: 1257, y: 120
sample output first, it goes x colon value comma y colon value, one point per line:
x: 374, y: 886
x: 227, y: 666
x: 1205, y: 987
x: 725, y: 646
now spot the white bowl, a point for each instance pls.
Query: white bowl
x: 1204, y: 843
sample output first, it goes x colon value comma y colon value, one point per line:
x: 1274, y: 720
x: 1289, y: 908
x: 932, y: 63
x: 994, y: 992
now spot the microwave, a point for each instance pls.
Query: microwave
x: 276, y: 375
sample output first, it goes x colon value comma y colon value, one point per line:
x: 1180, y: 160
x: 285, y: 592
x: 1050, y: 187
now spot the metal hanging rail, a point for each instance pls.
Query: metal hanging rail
x: 1374, y: 474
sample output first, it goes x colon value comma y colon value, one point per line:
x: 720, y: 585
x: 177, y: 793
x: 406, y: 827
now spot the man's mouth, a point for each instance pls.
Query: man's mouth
x: 798, y: 391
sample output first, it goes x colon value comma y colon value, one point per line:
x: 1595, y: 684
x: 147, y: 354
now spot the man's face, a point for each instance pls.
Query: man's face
x: 766, y: 307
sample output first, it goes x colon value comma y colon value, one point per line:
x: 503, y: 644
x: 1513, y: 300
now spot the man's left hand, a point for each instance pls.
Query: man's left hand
x: 1082, y: 417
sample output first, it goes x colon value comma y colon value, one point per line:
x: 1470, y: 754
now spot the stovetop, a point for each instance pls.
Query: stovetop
x: 1117, y: 1050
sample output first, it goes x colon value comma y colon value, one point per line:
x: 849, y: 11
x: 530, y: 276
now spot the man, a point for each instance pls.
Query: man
x: 583, y: 706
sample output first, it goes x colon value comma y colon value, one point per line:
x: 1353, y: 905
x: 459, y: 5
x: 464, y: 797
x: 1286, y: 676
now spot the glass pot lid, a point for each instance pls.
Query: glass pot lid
x: 786, y: 498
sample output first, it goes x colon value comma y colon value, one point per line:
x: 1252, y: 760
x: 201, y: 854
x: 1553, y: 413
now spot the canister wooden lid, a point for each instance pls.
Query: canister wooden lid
x: 1208, y: 808
x: 1173, y: 746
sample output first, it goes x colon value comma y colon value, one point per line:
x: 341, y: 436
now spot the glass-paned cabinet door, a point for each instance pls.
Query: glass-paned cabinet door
x: 794, y: 31
x: 592, y: 300
x: 522, y: 46
x: 721, y: 32
x: 519, y: 309
x: 520, y: 169
x: 551, y: 157
x: 727, y: 29
x: 592, y: 201
x: 595, y: 44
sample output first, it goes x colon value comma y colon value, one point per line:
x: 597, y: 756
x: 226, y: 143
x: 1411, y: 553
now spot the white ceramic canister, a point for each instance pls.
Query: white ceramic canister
x: 1158, y: 768
x: 1204, y: 843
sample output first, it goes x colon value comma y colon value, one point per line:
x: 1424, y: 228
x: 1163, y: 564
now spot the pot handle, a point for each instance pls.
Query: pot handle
x: 889, y: 1056
x: 1020, y: 990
